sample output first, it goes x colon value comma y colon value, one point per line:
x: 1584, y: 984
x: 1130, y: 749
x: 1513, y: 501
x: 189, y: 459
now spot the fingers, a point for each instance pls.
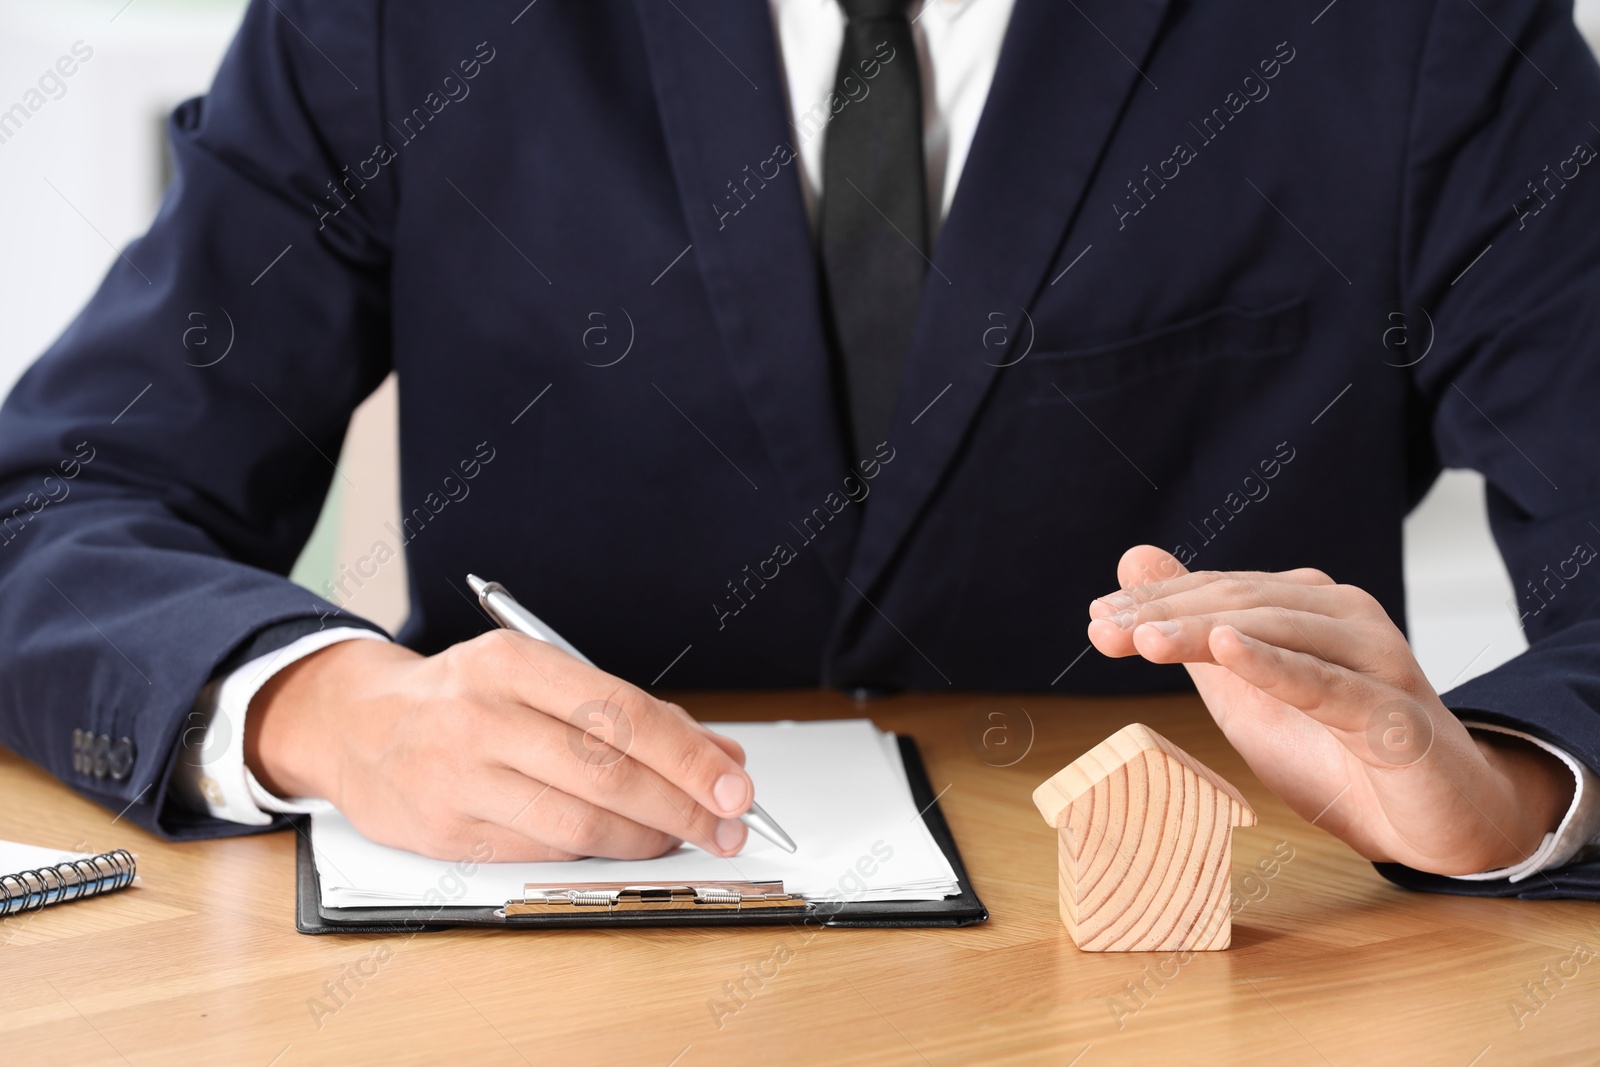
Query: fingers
x: 1147, y: 564
x: 602, y: 771
x: 472, y: 839
x: 545, y: 822
x: 1332, y: 695
x: 1187, y: 639
x: 1157, y: 587
x: 1262, y: 610
x: 727, y: 744
x: 684, y: 753
x: 1146, y: 567
x: 1307, y: 620
x: 733, y: 748
x: 1228, y: 590
x: 621, y: 717
x: 488, y: 842
x: 1153, y: 578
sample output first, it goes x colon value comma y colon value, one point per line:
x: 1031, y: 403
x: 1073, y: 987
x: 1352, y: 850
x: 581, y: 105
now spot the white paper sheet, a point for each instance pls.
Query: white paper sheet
x: 16, y: 858
x: 838, y: 788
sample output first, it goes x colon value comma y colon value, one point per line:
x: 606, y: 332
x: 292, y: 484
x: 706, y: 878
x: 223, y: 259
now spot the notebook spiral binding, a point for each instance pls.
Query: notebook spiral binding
x: 34, y: 889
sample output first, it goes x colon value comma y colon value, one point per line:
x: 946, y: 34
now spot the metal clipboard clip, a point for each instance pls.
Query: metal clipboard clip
x: 630, y: 898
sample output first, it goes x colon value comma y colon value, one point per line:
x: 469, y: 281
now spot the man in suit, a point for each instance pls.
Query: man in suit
x: 915, y: 317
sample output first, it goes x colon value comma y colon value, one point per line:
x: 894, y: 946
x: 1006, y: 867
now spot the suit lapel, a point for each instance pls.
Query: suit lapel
x: 1057, y: 93
x: 722, y: 97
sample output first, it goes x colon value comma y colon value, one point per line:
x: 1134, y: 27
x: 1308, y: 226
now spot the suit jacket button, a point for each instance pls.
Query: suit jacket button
x: 102, y: 755
x: 121, y: 758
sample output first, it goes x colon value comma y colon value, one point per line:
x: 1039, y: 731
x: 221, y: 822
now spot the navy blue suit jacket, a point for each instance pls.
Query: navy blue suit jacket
x: 1248, y: 315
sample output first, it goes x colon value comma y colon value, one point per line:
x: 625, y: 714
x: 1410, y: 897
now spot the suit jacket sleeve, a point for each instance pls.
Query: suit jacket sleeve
x: 1501, y: 270
x: 164, y: 462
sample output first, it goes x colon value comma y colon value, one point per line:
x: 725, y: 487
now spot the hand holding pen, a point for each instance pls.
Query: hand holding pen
x: 505, y: 610
x: 486, y: 750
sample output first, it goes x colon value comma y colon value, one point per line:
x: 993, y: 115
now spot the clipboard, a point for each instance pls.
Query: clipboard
x: 591, y: 905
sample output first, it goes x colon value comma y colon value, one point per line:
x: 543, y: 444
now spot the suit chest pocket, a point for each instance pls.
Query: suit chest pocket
x: 1221, y: 340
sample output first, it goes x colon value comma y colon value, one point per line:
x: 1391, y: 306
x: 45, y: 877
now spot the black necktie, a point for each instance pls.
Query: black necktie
x: 874, y: 216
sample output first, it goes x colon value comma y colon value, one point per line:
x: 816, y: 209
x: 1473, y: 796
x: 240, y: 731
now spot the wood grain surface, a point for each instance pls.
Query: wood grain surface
x: 1330, y: 964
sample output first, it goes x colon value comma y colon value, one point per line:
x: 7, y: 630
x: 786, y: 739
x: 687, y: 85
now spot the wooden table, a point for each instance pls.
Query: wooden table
x: 1330, y: 964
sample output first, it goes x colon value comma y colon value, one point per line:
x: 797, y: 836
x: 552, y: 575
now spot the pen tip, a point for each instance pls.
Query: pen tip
x: 762, y: 823
x: 477, y: 585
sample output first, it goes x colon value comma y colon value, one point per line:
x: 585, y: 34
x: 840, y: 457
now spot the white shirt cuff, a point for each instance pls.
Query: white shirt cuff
x: 1580, y: 826
x: 211, y: 775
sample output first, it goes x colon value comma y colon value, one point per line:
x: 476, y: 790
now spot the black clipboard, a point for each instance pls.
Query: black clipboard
x: 964, y: 909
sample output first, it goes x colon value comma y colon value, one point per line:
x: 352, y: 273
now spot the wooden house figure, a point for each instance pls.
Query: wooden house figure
x: 1145, y: 841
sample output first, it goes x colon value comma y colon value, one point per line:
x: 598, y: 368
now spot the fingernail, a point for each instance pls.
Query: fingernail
x: 1240, y: 637
x: 1123, y: 619
x: 1120, y: 600
x: 1168, y: 627
x: 730, y: 834
x: 730, y: 793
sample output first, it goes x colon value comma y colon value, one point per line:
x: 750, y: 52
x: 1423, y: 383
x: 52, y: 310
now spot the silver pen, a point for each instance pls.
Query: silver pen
x: 504, y: 609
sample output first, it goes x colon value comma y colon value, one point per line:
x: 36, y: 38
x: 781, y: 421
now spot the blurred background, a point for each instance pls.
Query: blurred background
x: 83, y: 175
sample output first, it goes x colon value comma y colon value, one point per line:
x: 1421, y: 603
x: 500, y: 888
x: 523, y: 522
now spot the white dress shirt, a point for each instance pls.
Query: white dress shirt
x: 212, y: 776
x: 958, y: 47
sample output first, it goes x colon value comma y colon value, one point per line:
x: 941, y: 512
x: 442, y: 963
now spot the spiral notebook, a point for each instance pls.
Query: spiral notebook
x: 32, y: 877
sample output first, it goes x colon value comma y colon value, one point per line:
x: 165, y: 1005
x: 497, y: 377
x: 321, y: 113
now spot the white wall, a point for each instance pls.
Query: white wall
x: 1459, y: 593
x: 1587, y: 13
x: 99, y: 145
